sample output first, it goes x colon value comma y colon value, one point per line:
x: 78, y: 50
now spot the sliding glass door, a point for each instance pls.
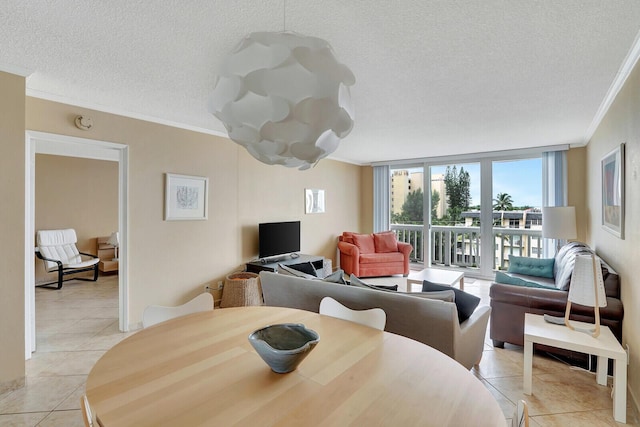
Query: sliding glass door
x: 453, y: 213
x: 406, y: 205
x: 517, y: 214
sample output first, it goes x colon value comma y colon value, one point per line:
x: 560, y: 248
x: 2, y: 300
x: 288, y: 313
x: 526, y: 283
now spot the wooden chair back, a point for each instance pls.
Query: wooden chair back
x: 374, y: 317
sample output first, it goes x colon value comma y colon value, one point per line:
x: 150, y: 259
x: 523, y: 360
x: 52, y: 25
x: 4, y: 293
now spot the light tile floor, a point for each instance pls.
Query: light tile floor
x: 78, y: 323
x: 74, y: 328
x: 563, y: 396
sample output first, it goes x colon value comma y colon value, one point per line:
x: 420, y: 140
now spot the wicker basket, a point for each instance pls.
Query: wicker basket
x: 241, y: 289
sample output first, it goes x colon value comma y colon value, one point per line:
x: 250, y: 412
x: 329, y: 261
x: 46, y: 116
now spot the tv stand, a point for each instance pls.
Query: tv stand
x: 271, y: 264
x: 271, y: 260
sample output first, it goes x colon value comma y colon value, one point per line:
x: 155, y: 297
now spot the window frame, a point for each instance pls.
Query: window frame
x: 486, y: 190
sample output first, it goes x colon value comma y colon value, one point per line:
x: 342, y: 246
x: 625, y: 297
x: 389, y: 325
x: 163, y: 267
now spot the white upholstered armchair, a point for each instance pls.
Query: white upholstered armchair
x: 57, y: 249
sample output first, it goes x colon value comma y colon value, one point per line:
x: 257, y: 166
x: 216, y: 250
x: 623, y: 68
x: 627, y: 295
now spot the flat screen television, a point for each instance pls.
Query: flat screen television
x: 278, y: 238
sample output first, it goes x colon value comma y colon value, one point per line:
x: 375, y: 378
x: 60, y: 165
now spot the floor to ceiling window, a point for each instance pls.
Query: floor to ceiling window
x: 498, y: 198
x: 406, y: 205
x: 455, y: 220
x: 517, y: 202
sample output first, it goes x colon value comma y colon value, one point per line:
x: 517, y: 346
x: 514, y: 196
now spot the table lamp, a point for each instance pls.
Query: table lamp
x: 586, y: 288
x: 114, y: 240
x: 559, y: 222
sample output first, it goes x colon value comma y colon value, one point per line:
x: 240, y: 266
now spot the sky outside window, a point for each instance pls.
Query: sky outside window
x: 521, y: 179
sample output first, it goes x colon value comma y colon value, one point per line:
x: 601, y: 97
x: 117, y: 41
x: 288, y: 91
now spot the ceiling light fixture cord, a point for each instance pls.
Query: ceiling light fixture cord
x: 284, y: 15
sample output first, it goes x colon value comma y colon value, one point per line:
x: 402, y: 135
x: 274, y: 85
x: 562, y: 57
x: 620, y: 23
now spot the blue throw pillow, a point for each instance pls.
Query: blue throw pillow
x: 465, y: 303
x: 510, y: 280
x: 538, y: 267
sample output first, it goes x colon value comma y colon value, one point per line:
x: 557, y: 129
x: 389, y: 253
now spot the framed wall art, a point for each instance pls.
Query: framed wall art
x: 185, y: 197
x: 613, y: 191
x: 314, y: 201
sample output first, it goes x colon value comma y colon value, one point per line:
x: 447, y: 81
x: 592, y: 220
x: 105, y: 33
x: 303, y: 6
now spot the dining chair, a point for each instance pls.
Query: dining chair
x: 87, y: 415
x: 157, y: 313
x: 373, y: 317
x: 520, y: 415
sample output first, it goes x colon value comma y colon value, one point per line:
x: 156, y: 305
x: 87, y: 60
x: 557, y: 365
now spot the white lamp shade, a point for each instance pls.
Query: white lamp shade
x: 114, y: 239
x: 559, y: 222
x: 587, y: 282
x: 285, y: 98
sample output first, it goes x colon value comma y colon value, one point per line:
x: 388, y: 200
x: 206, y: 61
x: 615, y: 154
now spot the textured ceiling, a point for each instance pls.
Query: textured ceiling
x: 433, y: 77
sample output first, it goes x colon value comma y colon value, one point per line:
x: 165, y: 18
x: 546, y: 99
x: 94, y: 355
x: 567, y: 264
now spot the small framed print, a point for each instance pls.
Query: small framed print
x: 185, y: 197
x: 613, y: 192
x: 314, y: 201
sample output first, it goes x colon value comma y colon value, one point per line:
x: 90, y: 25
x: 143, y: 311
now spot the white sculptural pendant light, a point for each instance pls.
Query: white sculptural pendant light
x: 586, y: 288
x: 285, y: 98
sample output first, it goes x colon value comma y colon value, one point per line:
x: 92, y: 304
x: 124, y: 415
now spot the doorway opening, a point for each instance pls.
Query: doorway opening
x: 63, y: 145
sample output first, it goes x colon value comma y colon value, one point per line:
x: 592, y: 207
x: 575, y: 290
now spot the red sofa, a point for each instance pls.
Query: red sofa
x: 371, y: 255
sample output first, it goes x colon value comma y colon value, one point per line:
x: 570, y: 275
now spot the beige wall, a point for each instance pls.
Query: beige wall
x: 75, y: 193
x: 621, y: 124
x: 366, y: 200
x: 268, y: 194
x: 170, y: 261
x: 576, y: 188
x: 12, y: 169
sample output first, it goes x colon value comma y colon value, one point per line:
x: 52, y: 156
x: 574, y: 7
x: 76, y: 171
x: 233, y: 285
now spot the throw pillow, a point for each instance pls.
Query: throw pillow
x: 365, y: 243
x: 354, y: 281
x: 446, y: 296
x: 305, y: 267
x: 517, y: 281
x: 538, y: 267
x: 336, y: 277
x: 465, y: 303
x: 565, y: 260
x: 347, y: 237
x: 385, y: 242
x: 284, y: 269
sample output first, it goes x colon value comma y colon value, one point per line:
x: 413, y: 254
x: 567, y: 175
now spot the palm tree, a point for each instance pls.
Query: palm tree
x: 504, y: 202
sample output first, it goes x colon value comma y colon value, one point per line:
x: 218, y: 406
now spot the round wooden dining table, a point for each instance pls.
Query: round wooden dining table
x: 200, y: 370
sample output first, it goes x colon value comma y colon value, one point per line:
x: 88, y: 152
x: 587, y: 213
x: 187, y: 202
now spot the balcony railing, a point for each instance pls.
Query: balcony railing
x: 460, y: 246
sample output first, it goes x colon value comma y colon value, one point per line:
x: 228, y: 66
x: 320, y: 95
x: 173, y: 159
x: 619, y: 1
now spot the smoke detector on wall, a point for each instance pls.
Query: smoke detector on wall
x: 84, y: 122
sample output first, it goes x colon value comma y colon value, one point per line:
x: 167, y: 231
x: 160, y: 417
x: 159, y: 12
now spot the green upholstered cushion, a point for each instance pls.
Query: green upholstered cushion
x: 539, y: 267
x: 511, y: 280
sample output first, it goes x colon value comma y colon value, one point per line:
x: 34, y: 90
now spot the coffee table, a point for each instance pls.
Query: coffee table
x: 435, y: 275
x: 606, y: 346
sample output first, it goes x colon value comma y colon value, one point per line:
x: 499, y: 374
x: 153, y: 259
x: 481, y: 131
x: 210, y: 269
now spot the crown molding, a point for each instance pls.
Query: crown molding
x: 121, y: 112
x: 515, y: 153
x: 15, y: 69
x: 623, y: 74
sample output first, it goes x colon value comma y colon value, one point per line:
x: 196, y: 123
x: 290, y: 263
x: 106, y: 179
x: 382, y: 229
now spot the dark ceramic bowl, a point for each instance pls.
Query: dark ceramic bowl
x: 283, y: 346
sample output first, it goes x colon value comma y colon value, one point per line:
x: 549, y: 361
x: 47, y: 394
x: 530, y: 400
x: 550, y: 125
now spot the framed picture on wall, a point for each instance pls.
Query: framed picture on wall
x: 613, y: 191
x: 185, y: 197
x: 314, y: 201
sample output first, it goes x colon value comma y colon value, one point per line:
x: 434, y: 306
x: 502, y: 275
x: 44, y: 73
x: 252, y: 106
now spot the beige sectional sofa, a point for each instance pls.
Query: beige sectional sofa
x: 432, y: 322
